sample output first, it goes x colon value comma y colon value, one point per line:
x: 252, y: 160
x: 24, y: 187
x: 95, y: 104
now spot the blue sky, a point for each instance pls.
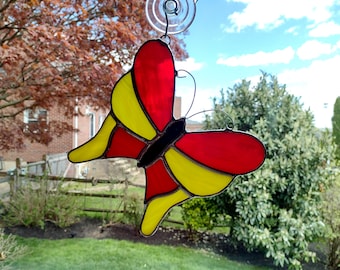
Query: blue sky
x: 296, y: 40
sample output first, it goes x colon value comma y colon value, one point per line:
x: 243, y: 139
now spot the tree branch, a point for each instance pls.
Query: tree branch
x: 6, y: 5
x: 15, y: 102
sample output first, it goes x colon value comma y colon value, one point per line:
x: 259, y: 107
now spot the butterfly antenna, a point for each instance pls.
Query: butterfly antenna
x: 193, y: 78
x: 229, y: 125
x: 197, y: 113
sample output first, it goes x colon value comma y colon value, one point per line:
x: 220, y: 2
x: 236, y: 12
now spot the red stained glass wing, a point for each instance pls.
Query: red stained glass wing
x: 227, y: 151
x: 154, y: 78
x: 123, y: 144
x: 159, y: 181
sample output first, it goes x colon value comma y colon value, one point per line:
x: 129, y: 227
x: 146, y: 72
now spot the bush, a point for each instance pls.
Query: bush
x: 198, y: 214
x: 133, y: 209
x: 277, y: 208
x: 10, y: 250
x: 331, y: 213
x: 35, y: 203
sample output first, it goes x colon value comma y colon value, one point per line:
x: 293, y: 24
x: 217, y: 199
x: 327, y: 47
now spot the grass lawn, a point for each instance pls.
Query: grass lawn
x: 82, y: 254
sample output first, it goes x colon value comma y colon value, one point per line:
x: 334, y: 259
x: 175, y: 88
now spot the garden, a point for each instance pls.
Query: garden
x: 41, y: 237
x: 283, y: 216
x: 87, y: 240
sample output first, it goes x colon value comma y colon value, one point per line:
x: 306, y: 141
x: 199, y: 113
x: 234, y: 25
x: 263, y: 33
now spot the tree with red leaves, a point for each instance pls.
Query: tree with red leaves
x: 62, y: 54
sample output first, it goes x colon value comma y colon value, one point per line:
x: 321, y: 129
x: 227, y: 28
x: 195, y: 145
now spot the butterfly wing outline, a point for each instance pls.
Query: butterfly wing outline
x: 197, y: 164
x: 142, y: 106
x: 138, y: 116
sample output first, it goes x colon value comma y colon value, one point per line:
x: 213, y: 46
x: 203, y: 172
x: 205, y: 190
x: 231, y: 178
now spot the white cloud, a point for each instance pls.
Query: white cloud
x: 260, y: 58
x: 313, y: 49
x: 325, y: 29
x: 317, y: 85
x: 199, y: 101
x: 292, y: 30
x: 189, y: 64
x: 268, y: 14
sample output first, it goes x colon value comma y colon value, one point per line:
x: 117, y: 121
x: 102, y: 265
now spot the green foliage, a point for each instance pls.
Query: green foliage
x: 331, y: 212
x: 35, y: 203
x: 336, y: 126
x: 199, y: 213
x: 277, y: 208
x: 10, y: 250
x: 133, y: 209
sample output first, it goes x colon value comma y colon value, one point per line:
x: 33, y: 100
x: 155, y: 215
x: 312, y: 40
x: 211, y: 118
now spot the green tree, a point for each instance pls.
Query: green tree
x: 336, y: 127
x: 277, y: 208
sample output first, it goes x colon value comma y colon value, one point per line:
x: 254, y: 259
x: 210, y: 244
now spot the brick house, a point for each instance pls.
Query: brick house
x: 85, y: 127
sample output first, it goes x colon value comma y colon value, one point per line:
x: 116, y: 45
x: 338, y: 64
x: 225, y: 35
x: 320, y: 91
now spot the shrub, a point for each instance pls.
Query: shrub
x: 331, y: 213
x: 35, y: 203
x: 198, y: 214
x: 10, y: 250
x: 277, y: 208
x: 133, y: 209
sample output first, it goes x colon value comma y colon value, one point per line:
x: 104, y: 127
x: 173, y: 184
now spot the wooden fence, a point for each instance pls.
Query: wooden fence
x: 52, y: 165
x: 27, y: 174
x: 55, y: 165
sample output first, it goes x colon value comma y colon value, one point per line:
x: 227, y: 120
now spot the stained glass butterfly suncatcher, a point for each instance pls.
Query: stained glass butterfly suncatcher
x: 178, y: 164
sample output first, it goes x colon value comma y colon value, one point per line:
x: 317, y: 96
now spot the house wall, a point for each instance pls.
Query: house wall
x: 82, y: 133
x: 177, y: 107
x: 194, y: 126
x: 34, y: 151
x: 81, y: 122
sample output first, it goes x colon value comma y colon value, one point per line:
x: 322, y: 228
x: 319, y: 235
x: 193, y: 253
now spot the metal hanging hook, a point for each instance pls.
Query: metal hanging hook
x: 170, y: 16
x: 171, y: 7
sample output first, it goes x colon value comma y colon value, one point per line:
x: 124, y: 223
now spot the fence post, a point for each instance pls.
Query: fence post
x: 15, y: 178
x: 11, y: 184
x: 45, y: 165
x: 126, y: 186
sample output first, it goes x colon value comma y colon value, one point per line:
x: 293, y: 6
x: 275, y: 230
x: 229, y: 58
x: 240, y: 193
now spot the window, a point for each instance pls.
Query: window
x: 35, y: 120
x: 92, y: 124
x: 101, y: 120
